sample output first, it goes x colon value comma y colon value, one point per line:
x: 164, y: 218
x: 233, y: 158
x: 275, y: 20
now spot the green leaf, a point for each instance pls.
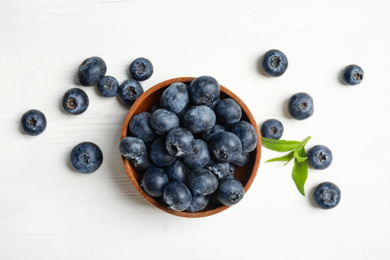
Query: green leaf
x: 280, y: 145
x: 286, y: 158
x: 298, y: 157
x: 299, y: 172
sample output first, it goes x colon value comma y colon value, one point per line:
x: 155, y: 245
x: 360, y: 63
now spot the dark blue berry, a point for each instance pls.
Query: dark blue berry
x: 198, y: 119
x: 319, y: 157
x: 178, y: 171
x: 86, y: 157
x: 142, y: 163
x: 75, y: 101
x: 33, y: 122
x: 199, y: 155
x: 230, y: 191
x: 163, y: 121
x: 272, y: 129
x: 247, y: 135
x: 129, y: 91
x: 154, y: 181
x: 179, y: 142
x: 242, y: 160
x: 225, y: 147
x: 327, y: 195
x: 175, y: 98
x: 141, y: 69
x: 228, y: 111
x: 274, y: 63
x: 177, y: 196
x: 213, y: 104
x: 91, y: 71
x: 132, y: 147
x: 139, y: 126
x: 300, y: 106
x: 108, y: 86
x: 199, y: 203
x: 352, y: 75
x: 202, y: 181
x: 204, y: 90
x: 206, y: 135
x: 219, y: 169
x: 159, y: 155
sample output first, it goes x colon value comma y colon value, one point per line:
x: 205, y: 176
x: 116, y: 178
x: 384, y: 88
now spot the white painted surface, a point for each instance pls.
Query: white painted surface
x: 48, y: 211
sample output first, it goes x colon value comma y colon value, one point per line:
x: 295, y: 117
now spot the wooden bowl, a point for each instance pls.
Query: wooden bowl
x: 245, y: 175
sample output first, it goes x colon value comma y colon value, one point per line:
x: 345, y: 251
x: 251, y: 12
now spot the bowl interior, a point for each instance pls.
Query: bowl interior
x: 245, y: 175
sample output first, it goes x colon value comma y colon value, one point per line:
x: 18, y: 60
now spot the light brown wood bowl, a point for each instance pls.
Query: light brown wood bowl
x: 245, y: 175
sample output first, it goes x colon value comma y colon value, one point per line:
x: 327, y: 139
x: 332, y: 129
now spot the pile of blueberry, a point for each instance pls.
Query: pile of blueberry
x: 188, y: 145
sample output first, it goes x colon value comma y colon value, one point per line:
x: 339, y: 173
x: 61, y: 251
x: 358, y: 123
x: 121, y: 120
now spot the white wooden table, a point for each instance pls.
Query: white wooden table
x: 48, y: 211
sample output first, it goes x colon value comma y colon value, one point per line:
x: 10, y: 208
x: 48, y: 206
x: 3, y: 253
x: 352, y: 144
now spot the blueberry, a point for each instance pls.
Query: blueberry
x: 274, y: 63
x: 139, y: 126
x: 247, y: 135
x: 230, y: 191
x: 213, y: 104
x: 199, y: 203
x: 132, y: 147
x: 219, y: 169
x: 178, y: 171
x: 319, y: 157
x: 175, y: 98
x: 179, y: 142
x: 154, y: 181
x: 204, y: 90
x: 163, y: 121
x: 177, y: 196
x: 108, y: 86
x: 154, y: 107
x: 199, y: 155
x: 228, y: 111
x: 33, y: 122
x: 142, y: 163
x: 86, y: 157
x: 129, y: 91
x: 141, y: 69
x: 206, y: 135
x: 242, y: 160
x: 159, y: 155
x: 202, y: 181
x: 225, y: 147
x: 300, y: 106
x: 327, y: 195
x: 91, y: 71
x: 352, y: 75
x: 75, y: 101
x: 272, y: 129
x: 198, y: 119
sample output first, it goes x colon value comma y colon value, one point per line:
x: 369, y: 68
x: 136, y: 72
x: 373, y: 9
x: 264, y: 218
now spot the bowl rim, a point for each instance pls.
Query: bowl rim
x: 129, y: 169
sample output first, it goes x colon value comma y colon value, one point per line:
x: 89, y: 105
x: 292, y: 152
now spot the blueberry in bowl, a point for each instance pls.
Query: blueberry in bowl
x: 200, y: 124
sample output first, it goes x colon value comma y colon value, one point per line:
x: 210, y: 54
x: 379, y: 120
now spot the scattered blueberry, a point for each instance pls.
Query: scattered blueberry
x: 159, y: 155
x: 91, y: 71
x: 141, y: 69
x: 75, y: 101
x: 206, y: 135
x: 178, y: 171
x: 204, y: 90
x: 175, y: 98
x: 247, y: 135
x: 352, y: 75
x: 202, y: 181
x: 108, y: 86
x: 132, y: 147
x: 139, y: 126
x: 153, y: 181
x: 199, y: 203
x: 242, y: 160
x: 129, y: 91
x: 272, y: 129
x: 225, y: 147
x: 230, y: 191
x: 163, y: 121
x: 179, y: 142
x: 274, y: 63
x: 177, y: 196
x: 319, y: 157
x: 198, y: 119
x: 228, y: 111
x: 199, y: 155
x: 300, y: 106
x: 86, y: 157
x: 33, y: 122
x: 219, y: 169
x: 327, y: 195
